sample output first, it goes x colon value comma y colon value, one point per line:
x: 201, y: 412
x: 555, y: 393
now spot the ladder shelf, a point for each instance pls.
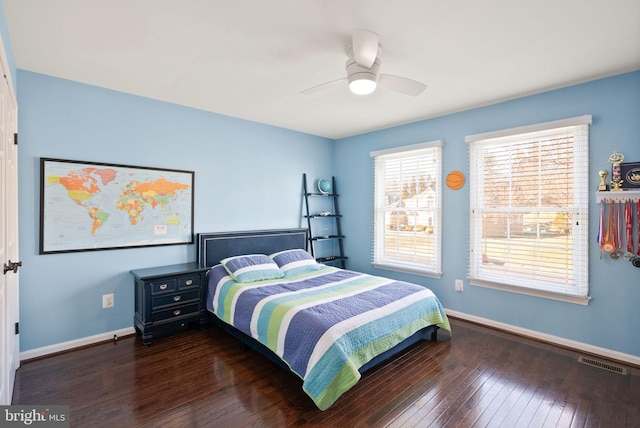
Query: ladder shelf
x: 325, y: 230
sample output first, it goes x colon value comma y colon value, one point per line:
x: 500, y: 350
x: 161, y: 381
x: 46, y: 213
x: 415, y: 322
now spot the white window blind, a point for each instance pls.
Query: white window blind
x: 407, y: 212
x: 529, y: 209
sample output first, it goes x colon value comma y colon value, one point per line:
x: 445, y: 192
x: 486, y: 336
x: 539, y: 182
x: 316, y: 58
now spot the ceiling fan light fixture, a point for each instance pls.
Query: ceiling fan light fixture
x: 362, y: 80
x: 363, y: 69
x: 362, y: 85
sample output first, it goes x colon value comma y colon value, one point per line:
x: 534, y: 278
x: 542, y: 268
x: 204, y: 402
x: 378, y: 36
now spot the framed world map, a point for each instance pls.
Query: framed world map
x: 88, y: 206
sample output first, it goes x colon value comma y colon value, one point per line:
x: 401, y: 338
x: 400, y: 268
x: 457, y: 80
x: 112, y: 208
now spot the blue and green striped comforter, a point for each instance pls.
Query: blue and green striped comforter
x: 327, y: 323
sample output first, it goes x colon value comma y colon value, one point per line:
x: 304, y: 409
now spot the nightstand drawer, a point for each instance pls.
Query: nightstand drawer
x: 175, y: 299
x: 176, y: 312
x: 163, y: 286
x: 189, y: 281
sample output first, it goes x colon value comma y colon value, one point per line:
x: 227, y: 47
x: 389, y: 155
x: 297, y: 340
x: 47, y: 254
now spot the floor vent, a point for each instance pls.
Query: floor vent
x: 603, y: 365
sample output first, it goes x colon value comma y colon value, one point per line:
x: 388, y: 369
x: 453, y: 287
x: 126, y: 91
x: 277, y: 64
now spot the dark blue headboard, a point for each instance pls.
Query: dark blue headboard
x: 213, y: 247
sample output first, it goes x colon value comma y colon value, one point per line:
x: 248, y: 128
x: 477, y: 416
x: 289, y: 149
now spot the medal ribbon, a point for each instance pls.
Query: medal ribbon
x: 607, y: 238
x: 614, y: 226
x: 620, y: 227
x: 601, y: 225
x: 629, y: 225
x: 638, y: 224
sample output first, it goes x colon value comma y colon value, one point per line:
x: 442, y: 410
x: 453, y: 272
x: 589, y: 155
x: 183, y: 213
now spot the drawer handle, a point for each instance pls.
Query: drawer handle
x: 163, y: 287
x: 176, y: 298
x: 189, y: 281
x: 177, y: 312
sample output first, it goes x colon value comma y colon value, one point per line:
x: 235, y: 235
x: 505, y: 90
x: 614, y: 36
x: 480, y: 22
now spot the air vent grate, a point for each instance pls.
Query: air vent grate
x: 603, y: 365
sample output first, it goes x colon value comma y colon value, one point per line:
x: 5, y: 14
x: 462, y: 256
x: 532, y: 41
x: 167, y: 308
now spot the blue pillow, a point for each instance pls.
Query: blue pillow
x: 293, y: 262
x: 252, y: 267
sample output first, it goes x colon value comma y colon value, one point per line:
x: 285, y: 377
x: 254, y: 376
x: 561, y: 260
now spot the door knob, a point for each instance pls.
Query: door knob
x: 12, y: 266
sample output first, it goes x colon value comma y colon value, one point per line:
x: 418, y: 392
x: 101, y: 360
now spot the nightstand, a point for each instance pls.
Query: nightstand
x: 169, y: 299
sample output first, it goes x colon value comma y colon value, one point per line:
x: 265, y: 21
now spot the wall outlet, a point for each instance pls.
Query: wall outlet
x: 459, y: 285
x: 107, y: 301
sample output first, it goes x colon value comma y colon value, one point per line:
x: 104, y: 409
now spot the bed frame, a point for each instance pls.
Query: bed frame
x: 213, y: 247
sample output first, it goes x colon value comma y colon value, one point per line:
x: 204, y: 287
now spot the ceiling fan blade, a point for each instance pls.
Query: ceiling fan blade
x: 323, y: 86
x: 365, y: 47
x: 401, y: 84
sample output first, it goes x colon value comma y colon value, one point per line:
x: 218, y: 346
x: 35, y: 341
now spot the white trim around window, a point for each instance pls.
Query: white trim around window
x: 408, y: 209
x: 529, y: 214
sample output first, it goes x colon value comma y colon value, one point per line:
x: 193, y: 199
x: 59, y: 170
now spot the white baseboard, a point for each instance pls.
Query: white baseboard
x: 65, y: 346
x: 566, y: 343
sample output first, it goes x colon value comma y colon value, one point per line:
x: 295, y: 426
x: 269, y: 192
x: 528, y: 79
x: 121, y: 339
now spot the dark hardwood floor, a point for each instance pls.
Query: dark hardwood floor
x: 478, y: 377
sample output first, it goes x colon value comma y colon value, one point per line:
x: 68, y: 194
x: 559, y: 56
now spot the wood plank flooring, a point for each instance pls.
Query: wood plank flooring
x: 477, y: 377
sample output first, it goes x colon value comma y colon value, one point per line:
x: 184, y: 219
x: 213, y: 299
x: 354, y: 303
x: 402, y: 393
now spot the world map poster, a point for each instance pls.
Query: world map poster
x: 96, y: 206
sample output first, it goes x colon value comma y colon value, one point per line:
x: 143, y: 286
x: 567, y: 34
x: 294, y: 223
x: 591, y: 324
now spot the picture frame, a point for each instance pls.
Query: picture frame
x: 630, y: 174
x: 88, y: 206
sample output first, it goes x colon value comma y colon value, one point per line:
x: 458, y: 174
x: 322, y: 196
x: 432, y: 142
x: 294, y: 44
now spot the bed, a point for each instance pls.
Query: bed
x: 324, y: 324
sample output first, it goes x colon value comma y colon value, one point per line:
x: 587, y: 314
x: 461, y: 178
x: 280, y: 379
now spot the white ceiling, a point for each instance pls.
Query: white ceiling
x: 251, y: 58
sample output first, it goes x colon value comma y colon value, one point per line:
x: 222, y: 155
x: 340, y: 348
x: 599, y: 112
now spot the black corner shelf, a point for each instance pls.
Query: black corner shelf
x: 326, y: 195
x: 323, y: 216
x: 333, y: 220
x: 331, y: 260
x: 322, y: 238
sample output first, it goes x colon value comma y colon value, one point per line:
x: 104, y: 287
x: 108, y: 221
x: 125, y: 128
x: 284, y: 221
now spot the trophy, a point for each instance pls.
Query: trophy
x: 616, y: 159
x: 603, y: 186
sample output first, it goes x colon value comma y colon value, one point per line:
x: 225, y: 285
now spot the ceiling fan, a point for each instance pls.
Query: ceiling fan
x: 363, y: 69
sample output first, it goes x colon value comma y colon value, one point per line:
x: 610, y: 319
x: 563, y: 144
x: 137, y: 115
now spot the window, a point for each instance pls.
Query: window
x: 529, y: 209
x: 408, y: 208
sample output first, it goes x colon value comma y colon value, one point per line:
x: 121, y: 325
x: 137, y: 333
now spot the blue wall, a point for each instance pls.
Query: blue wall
x: 248, y: 176
x: 612, y: 317
x: 61, y: 294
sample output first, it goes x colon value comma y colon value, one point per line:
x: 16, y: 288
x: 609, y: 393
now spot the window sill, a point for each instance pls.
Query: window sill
x: 407, y: 269
x: 578, y: 300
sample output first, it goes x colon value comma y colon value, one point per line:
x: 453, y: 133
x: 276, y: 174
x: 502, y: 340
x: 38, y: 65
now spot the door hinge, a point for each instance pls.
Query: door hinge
x: 17, y: 328
x: 15, y: 138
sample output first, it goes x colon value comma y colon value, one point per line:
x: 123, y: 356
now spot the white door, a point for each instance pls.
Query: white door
x: 9, y: 257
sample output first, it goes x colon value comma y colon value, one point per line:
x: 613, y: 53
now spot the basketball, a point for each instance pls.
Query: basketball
x: 455, y: 180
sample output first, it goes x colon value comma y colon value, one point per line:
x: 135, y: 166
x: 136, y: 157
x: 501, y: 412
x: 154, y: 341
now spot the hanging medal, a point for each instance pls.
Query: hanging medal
x: 615, y: 230
x: 628, y: 226
x: 620, y: 229
x: 607, y: 245
x: 601, y: 225
x: 636, y: 260
x: 638, y: 224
